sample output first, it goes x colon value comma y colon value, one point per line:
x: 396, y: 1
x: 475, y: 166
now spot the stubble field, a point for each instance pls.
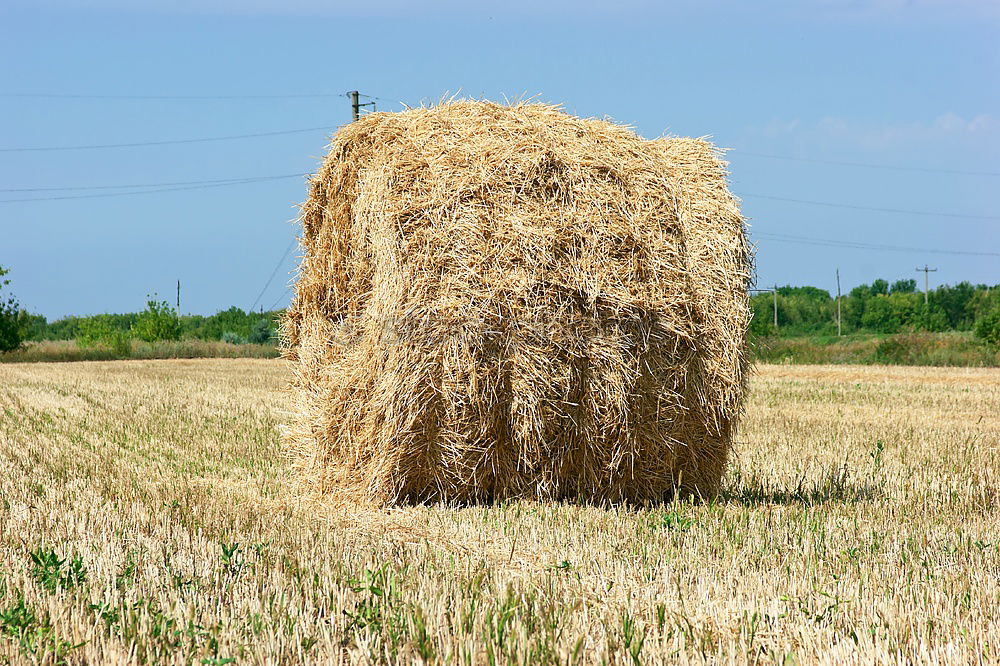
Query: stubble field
x: 147, y: 515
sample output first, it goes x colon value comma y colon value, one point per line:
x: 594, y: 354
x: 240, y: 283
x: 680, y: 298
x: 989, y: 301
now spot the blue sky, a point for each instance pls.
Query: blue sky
x: 886, y: 82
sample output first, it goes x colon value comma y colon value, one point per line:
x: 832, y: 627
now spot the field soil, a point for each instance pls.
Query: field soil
x: 148, y: 515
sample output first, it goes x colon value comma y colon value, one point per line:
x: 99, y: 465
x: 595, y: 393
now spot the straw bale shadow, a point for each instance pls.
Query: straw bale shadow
x: 834, y: 486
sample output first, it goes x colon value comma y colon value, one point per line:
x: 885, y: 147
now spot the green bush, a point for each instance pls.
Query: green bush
x: 157, y: 322
x: 262, y: 333
x: 232, y: 338
x: 903, y: 287
x: 12, y: 327
x: 923, y: 348
x: 988, y: 328
x: 930, y: 318
x: 93, y: 331
x: 101, y: 331
x: 891, y: 351
x: 234, y: 320
x: 33, y: 325
x: 880, y: 316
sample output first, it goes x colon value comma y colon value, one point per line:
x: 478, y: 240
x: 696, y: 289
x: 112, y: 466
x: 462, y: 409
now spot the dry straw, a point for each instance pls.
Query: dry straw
x: 509, y: 301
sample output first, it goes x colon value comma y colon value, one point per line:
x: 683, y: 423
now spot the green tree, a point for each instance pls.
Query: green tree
x: 930, y: 318
x: 988, y: 328
x: 953, y: 302
x: 12, y: 326
x: 853, y: 306
x: 263, y: 332
x: 234, y: 320
x: 761, y: 323
x: 102, y: 330
x: 805, y: 310
x: 983, y: 302
x: 903, y: 287
x: 33, y: 325
x: 881, y: 316
x: 93, y: 331
x: 157, y: 322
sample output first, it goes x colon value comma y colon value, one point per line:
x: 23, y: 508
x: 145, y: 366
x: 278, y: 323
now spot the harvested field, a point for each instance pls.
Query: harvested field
x: 147, y: 516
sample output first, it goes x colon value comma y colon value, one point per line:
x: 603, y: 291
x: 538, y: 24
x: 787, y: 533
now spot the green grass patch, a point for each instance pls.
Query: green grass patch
x: 940, y: 349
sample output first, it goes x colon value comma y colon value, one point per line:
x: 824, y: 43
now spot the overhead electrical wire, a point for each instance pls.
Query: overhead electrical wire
x: 168, y: 97
x: 201, y: 186
x: 867, y: 165
x: 230, y: 137
x: 274, y: 272
x: 150, y: 188
x: 901, y: 211
x: 278, y: 299
x: 193, y: 185
x: 384, y: 99
x: 829, y: 242
x: 136, y: 185
x: 207, y: 184
x: 737, y: 151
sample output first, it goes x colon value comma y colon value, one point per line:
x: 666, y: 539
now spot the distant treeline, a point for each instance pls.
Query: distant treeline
x: 879, y: 307
x: 158, y: 322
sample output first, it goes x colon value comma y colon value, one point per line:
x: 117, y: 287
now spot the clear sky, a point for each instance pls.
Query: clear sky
x: 848, y: 83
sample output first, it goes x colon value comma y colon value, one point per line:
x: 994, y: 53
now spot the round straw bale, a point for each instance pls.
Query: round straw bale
x: 509, y: 301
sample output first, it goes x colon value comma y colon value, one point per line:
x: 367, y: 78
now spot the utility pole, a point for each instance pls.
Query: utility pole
x: 926, y: 270
x: 178, y: 297
x: 356, y: 105
x: 838, y: 303
x: 775, y: 292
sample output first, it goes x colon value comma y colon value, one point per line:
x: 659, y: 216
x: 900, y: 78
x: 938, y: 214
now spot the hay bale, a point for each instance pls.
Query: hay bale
x: 501, y: 302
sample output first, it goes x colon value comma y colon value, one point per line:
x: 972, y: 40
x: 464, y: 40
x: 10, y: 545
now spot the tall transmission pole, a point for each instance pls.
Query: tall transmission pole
x: 178, y: 297
x: 838, y: 304
x: 926, y: 270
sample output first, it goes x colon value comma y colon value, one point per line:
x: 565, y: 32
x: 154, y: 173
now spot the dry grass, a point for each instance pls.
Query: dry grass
x: 858, y: 524
x: 499, y: 302
x: 50, y: 351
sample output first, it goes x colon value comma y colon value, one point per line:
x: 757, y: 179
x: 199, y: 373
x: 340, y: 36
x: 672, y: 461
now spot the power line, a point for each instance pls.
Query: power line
x: 206, y: 185
x: 857, y: 245
x: 162, y: 143
x: 813, y: 160
x: 867, y: 165
x: 139, y: 185
x: 274, y: 272
x: 384, y: 99
x: 278, y: 299
x: 193, y: 97
x: 168, y: 97
x: 872, y: 208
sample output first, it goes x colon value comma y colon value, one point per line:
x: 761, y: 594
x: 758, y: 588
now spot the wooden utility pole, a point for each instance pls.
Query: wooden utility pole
x: 838, y: 303
x: 926, y: 270
x: 775, y: 292
x: 178, y: 297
